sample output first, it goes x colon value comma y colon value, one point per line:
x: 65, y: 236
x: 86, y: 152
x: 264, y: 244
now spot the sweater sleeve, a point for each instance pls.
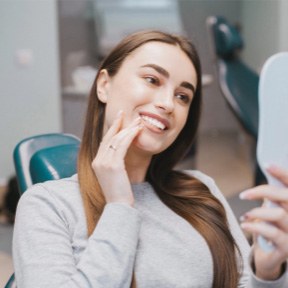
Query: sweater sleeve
x: 42, y: 248
x: 255, y: 282
x: 248, y: 278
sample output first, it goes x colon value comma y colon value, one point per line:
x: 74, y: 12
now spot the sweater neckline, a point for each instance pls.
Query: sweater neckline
x: 135, y: 186
x: 141, y: 185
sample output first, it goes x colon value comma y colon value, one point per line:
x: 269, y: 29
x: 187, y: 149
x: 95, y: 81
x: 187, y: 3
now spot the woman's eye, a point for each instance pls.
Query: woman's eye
x: 152, y: 80
x: 183, y: 97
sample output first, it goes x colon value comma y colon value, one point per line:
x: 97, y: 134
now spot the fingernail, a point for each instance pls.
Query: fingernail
x: 138, y: 127
x: 244, y: 225
x: 120, y: 112
x: 273, y: 167
x: 242, y: 196
x: 242, y: 218
x: 266, y: 165
x: 246, y: 194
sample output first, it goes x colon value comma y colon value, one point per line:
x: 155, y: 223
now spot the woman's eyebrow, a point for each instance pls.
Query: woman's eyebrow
x: 166, y: 74
x: 159, y: 69
x: 188, y: 86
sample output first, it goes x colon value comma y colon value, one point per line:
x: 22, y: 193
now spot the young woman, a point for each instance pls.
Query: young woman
x: 127, y: 219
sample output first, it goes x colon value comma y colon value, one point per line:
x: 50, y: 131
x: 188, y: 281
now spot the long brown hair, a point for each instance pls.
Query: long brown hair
x: 185, y: 195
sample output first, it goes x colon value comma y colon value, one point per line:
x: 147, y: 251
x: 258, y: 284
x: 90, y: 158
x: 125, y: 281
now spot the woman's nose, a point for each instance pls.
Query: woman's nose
x: 165, y: 101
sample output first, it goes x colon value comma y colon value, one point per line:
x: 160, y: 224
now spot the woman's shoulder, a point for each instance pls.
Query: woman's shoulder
x: 205, y: 179
x: 61, y: 194
x: 51, y: 205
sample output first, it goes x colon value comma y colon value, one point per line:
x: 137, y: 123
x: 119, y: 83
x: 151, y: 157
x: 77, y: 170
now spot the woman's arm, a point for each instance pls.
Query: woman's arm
x: 248, y: 279
x: 109, y: 164
x: 43, y: 245
x: 43, y: 248
x: 270, y: 265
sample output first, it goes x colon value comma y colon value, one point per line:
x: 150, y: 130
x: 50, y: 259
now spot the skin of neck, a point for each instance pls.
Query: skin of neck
x: 137, y: 164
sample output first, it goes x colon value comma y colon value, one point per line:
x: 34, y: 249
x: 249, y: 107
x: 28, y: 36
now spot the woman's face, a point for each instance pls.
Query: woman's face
x: 157, y: 82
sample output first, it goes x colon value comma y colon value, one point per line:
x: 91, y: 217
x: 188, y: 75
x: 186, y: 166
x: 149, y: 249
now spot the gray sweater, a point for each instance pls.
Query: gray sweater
x: 51, y: 248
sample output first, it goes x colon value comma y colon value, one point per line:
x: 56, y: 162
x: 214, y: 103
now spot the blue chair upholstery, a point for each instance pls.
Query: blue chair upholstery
x: 227, y: 39
x: 54, y: 163
x: 11, y: 282
x: 44, y: 157
x: 238, y: 82
x: 27, y: 148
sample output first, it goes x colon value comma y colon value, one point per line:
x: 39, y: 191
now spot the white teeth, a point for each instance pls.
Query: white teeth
x: 154, y: 122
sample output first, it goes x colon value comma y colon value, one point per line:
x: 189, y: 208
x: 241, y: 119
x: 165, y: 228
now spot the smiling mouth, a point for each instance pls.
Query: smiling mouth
x: 154, y: 122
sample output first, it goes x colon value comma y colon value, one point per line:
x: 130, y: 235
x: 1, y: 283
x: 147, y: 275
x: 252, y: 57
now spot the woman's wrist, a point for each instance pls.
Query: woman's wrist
x: 129, y: 202
x: 271, y: 274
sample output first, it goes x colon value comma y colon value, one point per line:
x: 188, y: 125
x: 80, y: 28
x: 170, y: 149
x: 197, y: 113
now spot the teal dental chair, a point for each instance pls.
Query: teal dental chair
x: 25, y: 150
x: 238, y: 82
x: 41, y: 158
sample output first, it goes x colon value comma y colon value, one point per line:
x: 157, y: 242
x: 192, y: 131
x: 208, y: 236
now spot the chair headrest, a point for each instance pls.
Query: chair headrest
x: 227, y: 37
x: 52, y: 163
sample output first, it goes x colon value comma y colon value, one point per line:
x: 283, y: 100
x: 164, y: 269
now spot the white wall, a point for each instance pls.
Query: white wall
x: 264, y: 30
x: 30, y: 95
x: 283, y: 38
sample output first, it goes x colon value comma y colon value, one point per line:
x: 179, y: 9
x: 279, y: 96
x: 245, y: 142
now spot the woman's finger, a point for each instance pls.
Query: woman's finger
x: 115, y: 127
x: 124, y: 140
x: 266, y: 191
x: 275, y: 215
x: 112, y: 156
x: 109, y: 165
x: 269, y: 231
x: 111, y: 148
x: 272, y: 233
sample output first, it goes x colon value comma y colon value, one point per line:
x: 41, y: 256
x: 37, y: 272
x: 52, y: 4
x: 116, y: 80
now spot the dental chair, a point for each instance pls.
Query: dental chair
x: 27, y: 148
x: 41, y: 158
x: 238, y: 82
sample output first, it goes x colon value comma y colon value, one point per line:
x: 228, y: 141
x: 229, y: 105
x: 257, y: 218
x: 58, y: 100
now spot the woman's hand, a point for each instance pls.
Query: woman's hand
x: 109, y: 165
x: 256, y: 221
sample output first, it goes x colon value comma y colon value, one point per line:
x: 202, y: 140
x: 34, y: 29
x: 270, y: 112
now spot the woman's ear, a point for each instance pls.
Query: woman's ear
x: 103, y: 83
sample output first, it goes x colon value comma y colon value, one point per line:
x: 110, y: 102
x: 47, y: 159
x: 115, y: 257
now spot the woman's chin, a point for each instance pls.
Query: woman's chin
x: 147, y: 145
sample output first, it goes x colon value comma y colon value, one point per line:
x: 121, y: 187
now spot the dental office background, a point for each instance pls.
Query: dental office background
x: 49, y: 51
